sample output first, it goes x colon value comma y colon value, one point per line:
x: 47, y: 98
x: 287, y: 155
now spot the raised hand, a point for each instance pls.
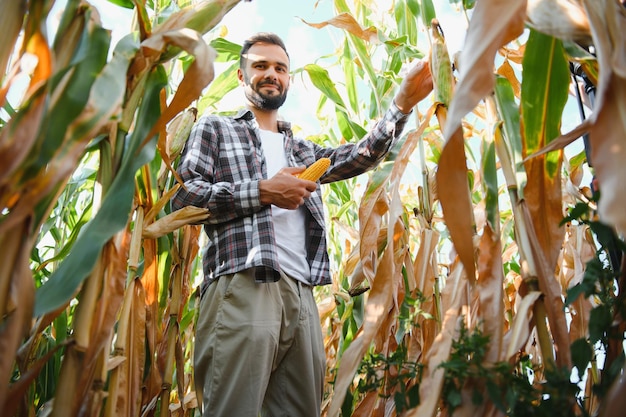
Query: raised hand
x: 417, y: 84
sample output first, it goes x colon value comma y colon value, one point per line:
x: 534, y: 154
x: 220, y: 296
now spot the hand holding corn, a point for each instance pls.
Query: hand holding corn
x: 315, y: 170
x: 285, y: 189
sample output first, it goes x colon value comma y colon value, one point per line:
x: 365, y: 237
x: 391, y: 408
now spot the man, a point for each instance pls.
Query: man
x: 259, y: 346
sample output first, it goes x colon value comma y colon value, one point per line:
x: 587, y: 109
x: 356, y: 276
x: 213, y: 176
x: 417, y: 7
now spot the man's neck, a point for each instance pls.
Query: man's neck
x: 267, y: 119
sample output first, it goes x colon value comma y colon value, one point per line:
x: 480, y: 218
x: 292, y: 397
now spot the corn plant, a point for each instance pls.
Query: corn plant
x: 95, y: 319
x: 474, y: 272
x: 497, y: 134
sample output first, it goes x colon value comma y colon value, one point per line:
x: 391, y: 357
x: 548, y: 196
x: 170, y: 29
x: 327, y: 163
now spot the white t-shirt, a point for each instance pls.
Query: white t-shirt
x: 289, y: 225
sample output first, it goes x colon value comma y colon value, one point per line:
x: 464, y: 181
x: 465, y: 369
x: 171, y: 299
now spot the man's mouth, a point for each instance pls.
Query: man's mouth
x: 270, y: 85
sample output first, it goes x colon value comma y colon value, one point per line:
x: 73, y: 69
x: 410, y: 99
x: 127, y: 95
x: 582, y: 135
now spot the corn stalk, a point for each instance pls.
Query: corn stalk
x: 81, y: 102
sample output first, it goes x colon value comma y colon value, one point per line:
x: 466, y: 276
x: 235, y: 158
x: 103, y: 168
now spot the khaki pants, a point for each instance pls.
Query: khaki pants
x: 259, y: 349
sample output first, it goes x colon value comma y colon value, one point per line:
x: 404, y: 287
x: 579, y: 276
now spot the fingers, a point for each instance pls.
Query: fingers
x: 285, y: 190
x: 292, y: 170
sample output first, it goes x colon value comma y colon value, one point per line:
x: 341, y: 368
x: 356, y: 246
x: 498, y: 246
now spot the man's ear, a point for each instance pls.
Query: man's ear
x: 240, y: 76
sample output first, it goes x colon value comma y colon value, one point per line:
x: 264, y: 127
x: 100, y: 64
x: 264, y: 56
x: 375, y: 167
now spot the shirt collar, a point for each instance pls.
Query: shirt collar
x: 246, y: 114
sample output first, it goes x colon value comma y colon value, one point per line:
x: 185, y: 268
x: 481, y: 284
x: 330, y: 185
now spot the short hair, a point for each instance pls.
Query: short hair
x: 260, y: 37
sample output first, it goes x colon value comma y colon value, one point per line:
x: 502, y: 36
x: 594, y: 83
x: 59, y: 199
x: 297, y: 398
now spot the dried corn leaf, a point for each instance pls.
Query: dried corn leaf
x: 455, y: 200
x: 490, y: 291
x: 563, y: 19
x: 608, y: 153
x: 517, y: 336
x: 199, y: 74
x: 433, y: 375
x: 507, y: 71
x: 608, y: 130
x: 17, y: 304
x: 175, y: 220
x: 348, y: 23
x: 376, y: 309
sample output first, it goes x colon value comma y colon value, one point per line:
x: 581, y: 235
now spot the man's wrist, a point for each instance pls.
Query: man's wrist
x: 402, y: 109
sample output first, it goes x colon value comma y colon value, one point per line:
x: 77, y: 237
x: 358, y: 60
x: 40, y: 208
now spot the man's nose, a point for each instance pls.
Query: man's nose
x: 271, y: 73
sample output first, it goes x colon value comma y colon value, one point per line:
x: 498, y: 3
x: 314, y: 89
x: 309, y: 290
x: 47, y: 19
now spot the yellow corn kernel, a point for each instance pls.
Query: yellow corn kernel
x: 315, y: 170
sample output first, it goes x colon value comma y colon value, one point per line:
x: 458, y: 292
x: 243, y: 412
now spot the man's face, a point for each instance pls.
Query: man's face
x: 266, y: 76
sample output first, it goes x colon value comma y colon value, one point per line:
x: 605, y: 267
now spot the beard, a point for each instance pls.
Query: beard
x: 264, y: 101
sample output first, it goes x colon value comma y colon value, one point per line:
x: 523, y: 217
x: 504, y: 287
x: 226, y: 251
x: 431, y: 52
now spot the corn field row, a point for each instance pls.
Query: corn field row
x: 477, y: 272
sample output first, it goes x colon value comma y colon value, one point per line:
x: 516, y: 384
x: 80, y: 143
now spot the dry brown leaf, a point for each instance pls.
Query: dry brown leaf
x: 382, y: 298
x: 38, y: 46
x: 199, y: 74
x: 455, y: 200
x: 507, y: 71
x: 425, y: 263
x: 376, y: 308
x: 608, y: 130
x: 326, y: 307
x: 17, y: 138
x: 99, y: 317
x: 19, y: 294
x: 493, y: 24
x: 115, y: 361
x: 490, y: 291
x: 517, y: 336
x: 433, y: 375
x: 579, y: 249
x: 160, y: 204
x: 189, y: 249
x: 127, y: 378
x: 514, y: 55
x: 550, y: 287
x: 544, y: 201
x: 353, y: 267
x: 347, y: 22
x: 175, y: 220
x: 563, y: 19
x: 608, y: 153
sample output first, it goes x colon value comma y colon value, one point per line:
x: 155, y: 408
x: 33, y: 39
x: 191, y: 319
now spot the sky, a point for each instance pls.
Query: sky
x: 303, y: 42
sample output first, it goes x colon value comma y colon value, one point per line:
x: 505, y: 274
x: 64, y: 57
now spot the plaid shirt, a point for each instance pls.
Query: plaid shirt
x: 221, y: 167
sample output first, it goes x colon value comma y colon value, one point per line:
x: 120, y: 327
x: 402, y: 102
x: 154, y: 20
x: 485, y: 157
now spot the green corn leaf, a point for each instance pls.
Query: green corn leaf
x: 490, y: 184
x: 70, y: 104
x: 428, y: 11
x: 224, y: 83
x: 113, y: 214
x: 581, y: 355
x: 321, y: 80
x: 226, y: 50
x: 508, y: 111
x: 350, y: 76
x: 341, y: 6
x: 544, y: 93
x: 128, y: 4
x: 406, y: 13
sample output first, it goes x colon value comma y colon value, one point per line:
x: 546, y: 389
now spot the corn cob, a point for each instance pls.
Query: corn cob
x: 315, y: 170
x: 440, y: 66
x: 178, y: 131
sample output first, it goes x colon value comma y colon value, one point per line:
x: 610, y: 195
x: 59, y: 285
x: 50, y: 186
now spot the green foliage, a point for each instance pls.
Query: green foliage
x: 512, y: 388
x: 391, y: 375
x: 113, y: 215
x: 395, y: 375
x: 599, y: 283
